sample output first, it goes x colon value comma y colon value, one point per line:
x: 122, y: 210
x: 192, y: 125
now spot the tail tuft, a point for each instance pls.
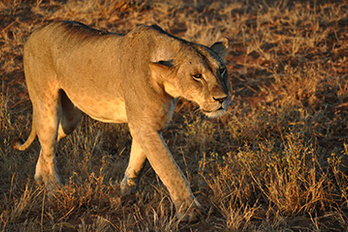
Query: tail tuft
x: 17, y: 143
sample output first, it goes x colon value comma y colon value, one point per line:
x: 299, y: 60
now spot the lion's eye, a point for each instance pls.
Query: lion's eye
x: 197, y: 76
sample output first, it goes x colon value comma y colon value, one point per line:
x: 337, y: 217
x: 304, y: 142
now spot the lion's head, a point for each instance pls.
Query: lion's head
x: 198, y: 73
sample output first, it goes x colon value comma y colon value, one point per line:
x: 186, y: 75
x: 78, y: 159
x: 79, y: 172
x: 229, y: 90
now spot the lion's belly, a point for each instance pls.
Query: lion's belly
x: 101, y: 109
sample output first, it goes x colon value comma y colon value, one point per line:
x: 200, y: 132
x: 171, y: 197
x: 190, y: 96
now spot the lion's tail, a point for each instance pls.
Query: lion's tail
x: 19, y: 145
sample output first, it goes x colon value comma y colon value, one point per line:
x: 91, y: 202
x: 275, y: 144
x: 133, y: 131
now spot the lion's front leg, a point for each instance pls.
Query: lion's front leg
x: 137, y: 159
x: 170, y: 174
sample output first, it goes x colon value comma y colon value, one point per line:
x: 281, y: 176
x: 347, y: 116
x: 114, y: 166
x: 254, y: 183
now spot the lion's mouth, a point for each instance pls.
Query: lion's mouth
x: 211, y: 111
x: 214, y: 113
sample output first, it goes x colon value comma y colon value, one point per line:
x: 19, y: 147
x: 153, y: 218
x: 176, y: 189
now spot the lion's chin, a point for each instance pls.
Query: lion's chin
x: 214, y: 114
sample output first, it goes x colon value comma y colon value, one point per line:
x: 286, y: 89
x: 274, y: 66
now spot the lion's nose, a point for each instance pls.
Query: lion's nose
x: 220, y: 99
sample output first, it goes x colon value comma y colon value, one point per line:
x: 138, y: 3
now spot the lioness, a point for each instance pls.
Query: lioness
x: 71, y: 69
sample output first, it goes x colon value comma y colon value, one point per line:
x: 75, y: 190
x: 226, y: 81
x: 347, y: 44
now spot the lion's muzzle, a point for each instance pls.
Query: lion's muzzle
x: 217, y: 107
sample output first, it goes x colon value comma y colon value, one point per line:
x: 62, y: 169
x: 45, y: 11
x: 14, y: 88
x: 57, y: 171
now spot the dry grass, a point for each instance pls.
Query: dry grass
x: 276, y: 162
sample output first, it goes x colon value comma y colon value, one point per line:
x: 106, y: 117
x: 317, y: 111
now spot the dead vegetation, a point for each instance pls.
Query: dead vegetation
x: 276, y: 162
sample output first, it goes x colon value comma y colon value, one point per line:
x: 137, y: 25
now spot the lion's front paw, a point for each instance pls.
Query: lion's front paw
x: 193, y: 213
x: 128, y: 186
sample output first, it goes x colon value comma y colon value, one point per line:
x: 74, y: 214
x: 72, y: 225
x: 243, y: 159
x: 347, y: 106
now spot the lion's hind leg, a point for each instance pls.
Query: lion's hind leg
x: 46, y: 115
x: 55, y: 117
x: 71, y: 116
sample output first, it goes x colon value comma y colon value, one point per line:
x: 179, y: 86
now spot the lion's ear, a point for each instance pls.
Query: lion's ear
x: 221, y: 47
x: 163, y: 68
